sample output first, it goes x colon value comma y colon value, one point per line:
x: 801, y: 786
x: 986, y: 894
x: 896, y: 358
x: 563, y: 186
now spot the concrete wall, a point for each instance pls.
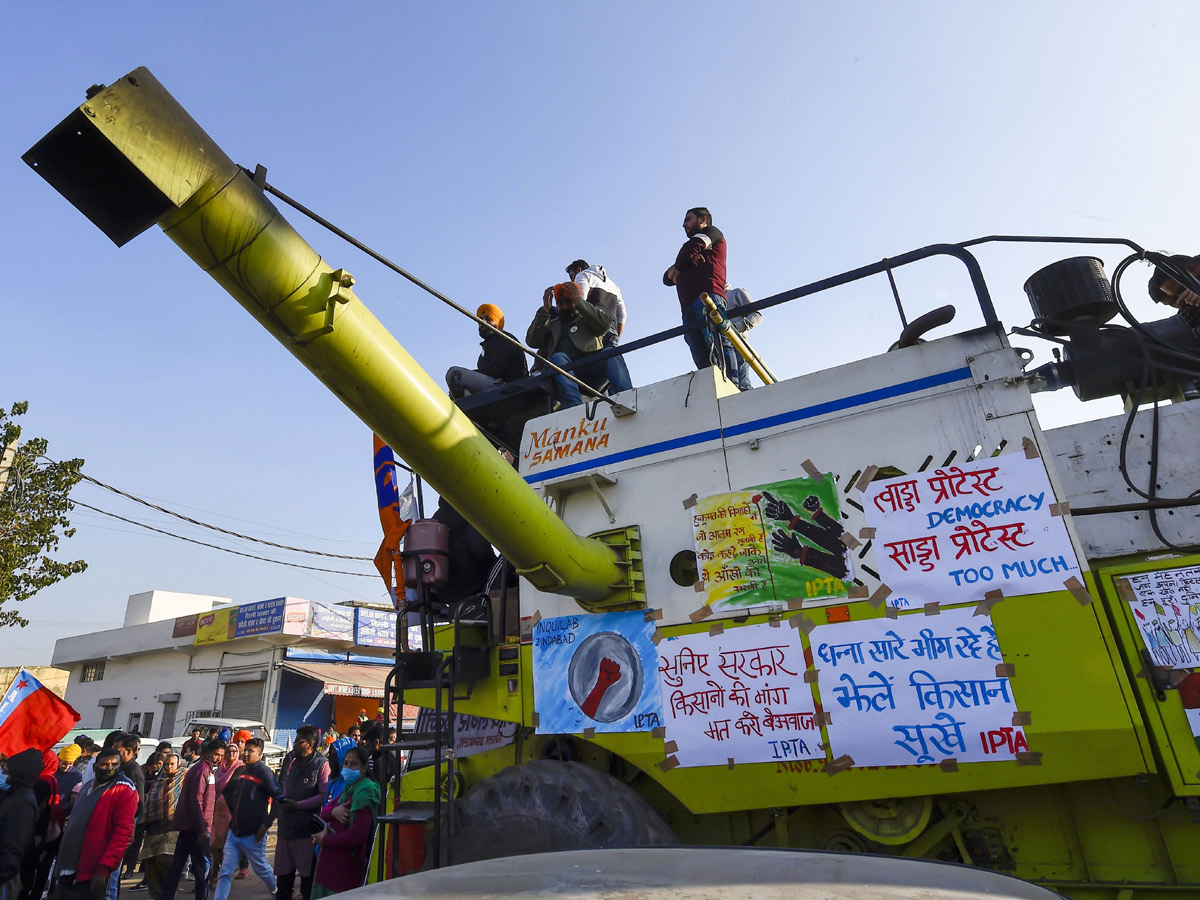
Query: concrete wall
x: 141, y: 681
x: 155, y: 606
x: 54, y: 680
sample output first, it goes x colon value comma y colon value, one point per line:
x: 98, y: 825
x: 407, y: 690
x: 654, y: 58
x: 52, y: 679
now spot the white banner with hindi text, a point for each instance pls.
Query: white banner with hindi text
x: 739, y: 695
x: 915, y: 690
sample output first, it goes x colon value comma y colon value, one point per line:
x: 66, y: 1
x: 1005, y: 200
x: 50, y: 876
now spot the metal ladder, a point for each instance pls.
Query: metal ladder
x: 447, y: 672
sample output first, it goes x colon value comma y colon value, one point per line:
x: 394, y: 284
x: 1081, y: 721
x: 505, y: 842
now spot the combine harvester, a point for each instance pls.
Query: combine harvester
x: 874, y: 608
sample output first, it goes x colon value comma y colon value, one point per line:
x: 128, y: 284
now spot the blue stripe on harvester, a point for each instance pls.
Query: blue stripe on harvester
x: 795, y: 415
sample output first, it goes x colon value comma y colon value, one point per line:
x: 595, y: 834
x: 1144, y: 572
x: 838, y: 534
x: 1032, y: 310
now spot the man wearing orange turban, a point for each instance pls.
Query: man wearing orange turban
x: 500, y: 362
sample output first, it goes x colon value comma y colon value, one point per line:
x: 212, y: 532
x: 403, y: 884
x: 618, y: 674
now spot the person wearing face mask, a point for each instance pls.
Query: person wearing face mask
x: 98, y: 832
x: 248, y: 796
x: 500, y: 362
x: 305, y: 780
x: 344, y: 842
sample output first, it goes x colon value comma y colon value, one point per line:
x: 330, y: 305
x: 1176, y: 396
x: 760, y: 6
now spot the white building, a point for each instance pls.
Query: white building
x: 284, y: 662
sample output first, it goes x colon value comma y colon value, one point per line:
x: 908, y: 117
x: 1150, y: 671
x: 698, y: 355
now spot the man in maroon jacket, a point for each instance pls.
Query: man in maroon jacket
x: 98, y: 831
x: 193, y: 820
x: 700, y: 269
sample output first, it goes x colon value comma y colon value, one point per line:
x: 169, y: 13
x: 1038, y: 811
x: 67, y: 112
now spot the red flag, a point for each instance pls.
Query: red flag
x: 388, y: 495
x: 31, y: 715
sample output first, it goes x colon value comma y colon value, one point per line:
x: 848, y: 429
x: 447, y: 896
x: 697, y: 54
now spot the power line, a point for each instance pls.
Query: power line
x: 217, y: 528
x: 197, y: 522
x: 181, y: 537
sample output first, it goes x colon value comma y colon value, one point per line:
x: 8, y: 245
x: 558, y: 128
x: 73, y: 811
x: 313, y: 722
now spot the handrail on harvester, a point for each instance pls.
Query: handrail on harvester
x: 131, y: 156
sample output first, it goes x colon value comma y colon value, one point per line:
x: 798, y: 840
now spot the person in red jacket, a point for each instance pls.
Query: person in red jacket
x: 98, y: 832
x: 193, y: 819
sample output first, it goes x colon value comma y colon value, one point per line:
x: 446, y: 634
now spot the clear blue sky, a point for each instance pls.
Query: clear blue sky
x: 484, y: 146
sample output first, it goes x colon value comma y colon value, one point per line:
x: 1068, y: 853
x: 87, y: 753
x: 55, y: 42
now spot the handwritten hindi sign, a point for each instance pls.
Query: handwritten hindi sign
x: 595, y: 671
x: 472, y: 734
x: 771, y: 544
x: 915, y: 690
x: 738, y: 695
x: 953, y: 534
x: 1166, y: 607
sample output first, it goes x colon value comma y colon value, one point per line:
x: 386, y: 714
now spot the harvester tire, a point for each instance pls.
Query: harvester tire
x: 547, y: 805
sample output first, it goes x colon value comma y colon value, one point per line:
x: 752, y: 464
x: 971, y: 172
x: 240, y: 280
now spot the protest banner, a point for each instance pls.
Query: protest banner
x: 597, y: 672
x: 771, y: 544
x: 738, y: 695
x: 1166, y: 607
x: 956, y: 533
x: 916, y: 689
x: 472, y: 734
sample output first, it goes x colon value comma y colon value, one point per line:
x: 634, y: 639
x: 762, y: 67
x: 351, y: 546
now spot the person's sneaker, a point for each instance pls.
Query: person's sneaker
x: 140, y: 886
x: 241, y: 873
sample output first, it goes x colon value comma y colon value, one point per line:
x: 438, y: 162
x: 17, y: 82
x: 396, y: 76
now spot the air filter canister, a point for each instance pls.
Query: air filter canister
x: 1068, y: 291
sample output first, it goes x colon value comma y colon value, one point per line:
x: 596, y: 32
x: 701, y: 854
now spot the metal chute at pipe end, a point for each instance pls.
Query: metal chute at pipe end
x: 143, y: 160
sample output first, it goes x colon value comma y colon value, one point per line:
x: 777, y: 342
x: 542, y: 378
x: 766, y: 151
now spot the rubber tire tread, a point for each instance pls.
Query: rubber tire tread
x: 547, y: 805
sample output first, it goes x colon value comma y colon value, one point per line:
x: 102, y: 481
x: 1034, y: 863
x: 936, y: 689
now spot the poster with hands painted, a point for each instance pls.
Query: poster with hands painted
x: 771, y: 544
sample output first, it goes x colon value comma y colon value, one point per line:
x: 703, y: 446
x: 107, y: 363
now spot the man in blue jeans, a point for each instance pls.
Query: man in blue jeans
x: 700, y: 269
x: 193, y: 820
x: 248, y: 796
x: 602, y: 292
x: 566, y: 330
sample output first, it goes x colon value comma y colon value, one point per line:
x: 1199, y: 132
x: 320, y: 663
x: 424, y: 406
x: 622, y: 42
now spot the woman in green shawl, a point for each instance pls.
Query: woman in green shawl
x: 345, y: 842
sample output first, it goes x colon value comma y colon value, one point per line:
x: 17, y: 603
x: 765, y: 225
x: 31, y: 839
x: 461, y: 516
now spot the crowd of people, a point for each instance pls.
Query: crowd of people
x: 586, y: 315
x: 72, y: 823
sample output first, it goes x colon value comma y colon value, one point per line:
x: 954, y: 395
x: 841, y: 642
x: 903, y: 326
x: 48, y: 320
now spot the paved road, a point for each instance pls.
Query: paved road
x: 249, y: 888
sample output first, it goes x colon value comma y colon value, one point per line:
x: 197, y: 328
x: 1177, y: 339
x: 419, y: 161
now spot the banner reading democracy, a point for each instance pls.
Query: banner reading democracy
x: 956, y: 533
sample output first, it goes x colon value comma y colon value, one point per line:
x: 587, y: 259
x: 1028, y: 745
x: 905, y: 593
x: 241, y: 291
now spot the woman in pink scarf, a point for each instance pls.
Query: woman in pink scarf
x: 221, y: 813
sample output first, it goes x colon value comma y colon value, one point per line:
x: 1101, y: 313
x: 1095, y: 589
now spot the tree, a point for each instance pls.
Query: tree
x: 34, y: 504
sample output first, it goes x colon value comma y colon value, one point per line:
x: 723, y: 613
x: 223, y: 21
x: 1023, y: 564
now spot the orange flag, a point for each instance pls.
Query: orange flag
x: 390, y: 517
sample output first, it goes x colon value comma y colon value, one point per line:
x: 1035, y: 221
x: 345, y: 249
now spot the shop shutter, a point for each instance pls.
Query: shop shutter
x: 243, y: 700
x: 167, y: 728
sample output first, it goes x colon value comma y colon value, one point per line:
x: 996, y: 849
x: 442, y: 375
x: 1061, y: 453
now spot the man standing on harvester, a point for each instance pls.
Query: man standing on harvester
x: 700, y: 269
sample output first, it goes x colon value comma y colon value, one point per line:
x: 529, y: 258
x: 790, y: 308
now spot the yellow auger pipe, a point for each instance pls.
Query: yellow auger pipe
x: 131, y: 157
x: 740, y: 344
